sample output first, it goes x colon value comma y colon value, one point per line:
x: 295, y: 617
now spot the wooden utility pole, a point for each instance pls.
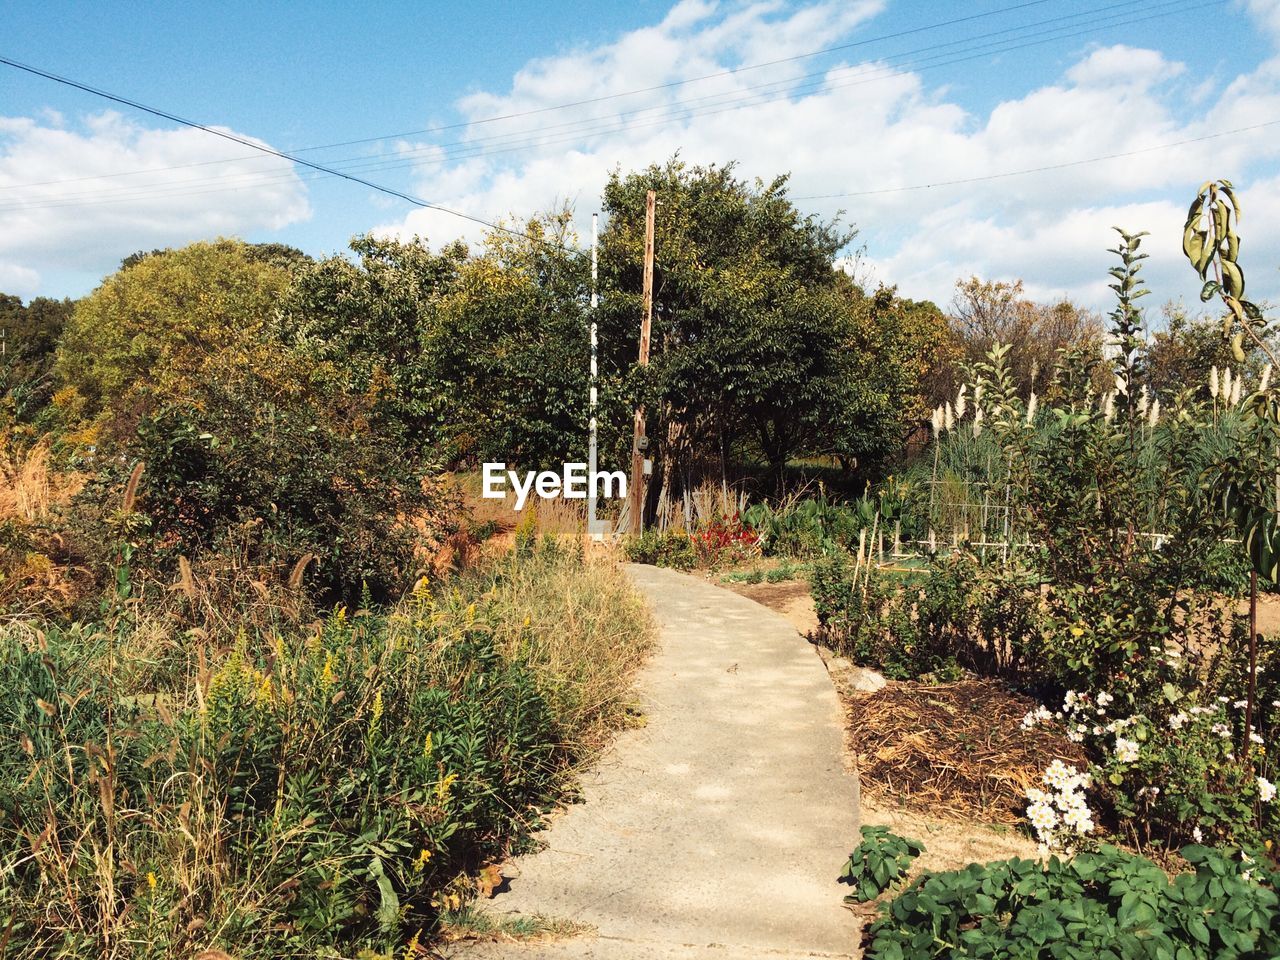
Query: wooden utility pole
x: 636, y: 495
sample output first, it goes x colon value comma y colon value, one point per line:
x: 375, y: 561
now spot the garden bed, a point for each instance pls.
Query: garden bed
x: 954, y: 750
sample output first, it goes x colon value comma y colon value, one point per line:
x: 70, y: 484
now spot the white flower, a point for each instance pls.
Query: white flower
x: 1266, y: 790
x: 1076, y: 734
x: 1043, y: 818
x: 1126, y: 750
x: 1256, y: 738
x: 1177, y: 720
x: 1036, y: 795
x: 1078, y: 819
x: 1240, y: 704
x: 1060, y: 776
x: 1154, y: 416
x: 1196, y: 835
x: 1213, y: 382
x: 1222, y: 730
x: 1105, y: 699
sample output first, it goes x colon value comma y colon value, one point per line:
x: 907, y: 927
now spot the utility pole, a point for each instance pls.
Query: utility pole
x: 639, y: 443
x: 593, y: 524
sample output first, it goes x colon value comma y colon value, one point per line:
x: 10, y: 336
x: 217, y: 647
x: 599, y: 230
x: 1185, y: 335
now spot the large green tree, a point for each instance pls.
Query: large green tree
x: 762, y: 348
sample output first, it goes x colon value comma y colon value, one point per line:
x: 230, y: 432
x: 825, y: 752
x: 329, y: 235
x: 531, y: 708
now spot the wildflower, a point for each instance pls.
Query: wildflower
x: 1240, y: 704
x: 1105, y: 699
x: 1043, y: 818
x: 1126, y: 750
x: 1266, y: 790
x: 936, y: 420
x: 1059, y: 775
x: 1177, y: 721
x: 327, y: 678
x: 424, y: 857
x: 1078, y: 819
x: 1213, y: 382
x: 1196, y: 835
x: 375, y: 713
x: 1256, y: 738
x: 444, y: 787
x: 1224, y: 391
x: 151, y: 880
x: 1222, y: 730
x: 427, y: 746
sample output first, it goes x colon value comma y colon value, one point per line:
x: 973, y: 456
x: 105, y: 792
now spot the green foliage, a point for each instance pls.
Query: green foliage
x: 29, y: 335
x: 761, y: 349
x: 308, y: 791
x: 152, y: 327
x: 671, y: 548
x: 1104, y: 904
x: 878, y: 862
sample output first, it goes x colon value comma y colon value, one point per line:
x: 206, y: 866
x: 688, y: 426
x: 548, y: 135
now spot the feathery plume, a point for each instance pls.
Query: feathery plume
x: 1031, y: 407
x: 948, y: 417
x: 1154, y: 415
x: 1109, y: 406
x: 1266, y: 379
x: 1213, y: 381
x: 961, y: 405
x: 1224, y: 385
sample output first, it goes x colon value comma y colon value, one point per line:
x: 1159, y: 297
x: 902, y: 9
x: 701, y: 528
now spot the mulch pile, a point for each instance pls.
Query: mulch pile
x: 954, y: 750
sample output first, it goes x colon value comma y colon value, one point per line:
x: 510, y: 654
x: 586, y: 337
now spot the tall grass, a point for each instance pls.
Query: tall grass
x: 303, y: 789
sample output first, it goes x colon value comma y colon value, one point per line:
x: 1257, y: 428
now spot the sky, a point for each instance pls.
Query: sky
x: 998, y: 138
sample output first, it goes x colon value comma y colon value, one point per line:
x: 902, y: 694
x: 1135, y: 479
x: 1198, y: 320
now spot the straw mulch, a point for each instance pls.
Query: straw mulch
x: 954, y: 750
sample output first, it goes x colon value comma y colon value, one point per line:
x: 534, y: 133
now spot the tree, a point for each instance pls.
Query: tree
x: 29, y: 335
x: 761, y: 348
x: 150, y: 328
x: 985, y: 313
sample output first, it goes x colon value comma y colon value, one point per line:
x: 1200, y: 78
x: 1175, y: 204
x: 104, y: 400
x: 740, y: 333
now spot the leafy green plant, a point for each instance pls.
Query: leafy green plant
x: 670, y: 548
x: 1104, y: 904
x: 878, y: 862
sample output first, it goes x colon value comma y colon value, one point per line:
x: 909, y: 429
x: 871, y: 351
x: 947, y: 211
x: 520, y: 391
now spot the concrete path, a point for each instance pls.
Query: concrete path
x: 717, y: 830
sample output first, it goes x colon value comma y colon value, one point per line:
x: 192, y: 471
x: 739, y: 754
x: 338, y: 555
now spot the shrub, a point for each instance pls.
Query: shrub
x: 1104, y: 904
x: 670, y: 548
x: 300, y: 790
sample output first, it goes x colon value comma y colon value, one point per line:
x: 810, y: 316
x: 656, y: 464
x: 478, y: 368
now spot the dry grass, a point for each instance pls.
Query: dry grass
x: 582, y: 626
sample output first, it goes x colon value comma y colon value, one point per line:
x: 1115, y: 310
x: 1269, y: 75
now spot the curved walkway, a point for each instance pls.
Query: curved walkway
x: 718, y: 828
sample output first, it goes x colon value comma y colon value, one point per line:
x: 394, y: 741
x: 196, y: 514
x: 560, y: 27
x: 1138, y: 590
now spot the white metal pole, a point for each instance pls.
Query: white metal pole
x: 593, y: 524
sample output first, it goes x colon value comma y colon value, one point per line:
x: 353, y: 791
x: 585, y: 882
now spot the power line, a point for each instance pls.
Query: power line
x: 586, y: 102
x: 1043, y: 169
x: 676, y: 111
x: 263, y: 148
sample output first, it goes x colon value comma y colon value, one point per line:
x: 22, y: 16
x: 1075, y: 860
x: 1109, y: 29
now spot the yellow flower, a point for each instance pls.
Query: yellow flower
x: 424, y: 857
x: 375, y: 715
x: 444, y: 787
x: 151, y: 880
x: 427, y: 746
x: 471, y: 612
x: 1077, y: 631
x: 327, y: 678
x: 264, y: 689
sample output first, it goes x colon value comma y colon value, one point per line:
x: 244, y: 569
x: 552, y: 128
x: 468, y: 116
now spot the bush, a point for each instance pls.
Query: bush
x: 1104, y: 904
x: 671, y: 548
x: 300, y: 790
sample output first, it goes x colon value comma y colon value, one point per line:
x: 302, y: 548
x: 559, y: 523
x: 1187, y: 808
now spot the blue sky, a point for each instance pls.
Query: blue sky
x: 83, y: 182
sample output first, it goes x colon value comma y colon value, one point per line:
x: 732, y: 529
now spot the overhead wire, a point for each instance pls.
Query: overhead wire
x: 675, y: 111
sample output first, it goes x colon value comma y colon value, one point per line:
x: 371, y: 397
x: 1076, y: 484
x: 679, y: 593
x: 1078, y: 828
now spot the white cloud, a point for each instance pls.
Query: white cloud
x: 62, y: 207
x: 865, y: 126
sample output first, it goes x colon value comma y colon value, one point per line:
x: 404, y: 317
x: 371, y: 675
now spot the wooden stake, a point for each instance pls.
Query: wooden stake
x: 637, y: 491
